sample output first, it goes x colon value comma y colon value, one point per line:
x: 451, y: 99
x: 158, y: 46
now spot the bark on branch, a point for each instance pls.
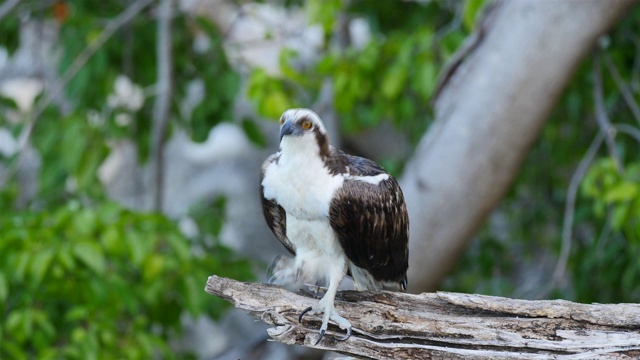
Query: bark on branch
x: 390, y: 325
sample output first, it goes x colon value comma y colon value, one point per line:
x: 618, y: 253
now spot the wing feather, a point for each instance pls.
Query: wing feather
x: 371, y: 221
x: 274, y: 214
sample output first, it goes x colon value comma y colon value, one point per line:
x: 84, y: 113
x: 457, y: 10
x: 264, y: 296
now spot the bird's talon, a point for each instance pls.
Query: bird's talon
x: 345, y: 337
x: 303, y: 313
x: 320, y: 338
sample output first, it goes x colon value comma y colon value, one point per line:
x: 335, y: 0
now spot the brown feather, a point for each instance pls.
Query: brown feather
x: 371, y: 221
x: 274, y: 214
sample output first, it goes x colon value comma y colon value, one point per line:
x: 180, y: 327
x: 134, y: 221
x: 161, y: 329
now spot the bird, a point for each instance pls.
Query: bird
x: 337, y: 214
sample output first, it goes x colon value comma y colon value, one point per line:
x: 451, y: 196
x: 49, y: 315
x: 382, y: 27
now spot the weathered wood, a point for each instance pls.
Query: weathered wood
x: 389, y: 325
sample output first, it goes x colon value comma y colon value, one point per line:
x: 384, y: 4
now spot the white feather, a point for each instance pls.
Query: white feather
x: 302, y: 185
x: 299, y: 181
x: 373, y: 180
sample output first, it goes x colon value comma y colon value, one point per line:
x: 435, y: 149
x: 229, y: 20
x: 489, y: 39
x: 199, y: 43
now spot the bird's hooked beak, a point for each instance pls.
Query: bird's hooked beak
x: 286, y: 129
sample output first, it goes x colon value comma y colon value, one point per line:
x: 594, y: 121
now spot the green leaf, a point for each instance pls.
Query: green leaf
x: 274, y: 104
x: 152, y: 266
x: 91, y: 255
x: 425, y: 80
x: 13, y: 321
x: 43, y: 322
x: 323, y: 12
x: 137, y: 246
x: 619, y: 215
x: 111, y: 241
x: 40, y: 264
x: 470, y: 12
x: 394, y: 80
x: 78, y: 335
x: 4, y: 288
x: 180, y: 245
x: 85, y: 222
x: 621, y: 192
x: 254, y: 133
x: 191, y: 296
x: 22, y: 264
x: 66, y: 259
x: 76, y: 313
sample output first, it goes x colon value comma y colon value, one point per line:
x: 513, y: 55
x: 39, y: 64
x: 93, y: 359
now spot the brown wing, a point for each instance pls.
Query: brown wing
x: 274, y: 214
x: 371, y: 222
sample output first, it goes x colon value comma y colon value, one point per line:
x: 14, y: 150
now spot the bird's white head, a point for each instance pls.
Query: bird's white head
x: 302, y: 130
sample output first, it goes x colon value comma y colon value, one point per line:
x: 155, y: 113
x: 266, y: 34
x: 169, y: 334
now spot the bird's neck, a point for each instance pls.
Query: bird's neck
x: 298, y: 150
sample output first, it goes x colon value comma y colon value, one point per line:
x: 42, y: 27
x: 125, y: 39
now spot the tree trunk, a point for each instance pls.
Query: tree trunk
x: 488, y: 113
x: 390, y: 325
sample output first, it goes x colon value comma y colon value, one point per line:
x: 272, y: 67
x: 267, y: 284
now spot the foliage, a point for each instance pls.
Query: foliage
x: 83, y: 282
x: 81, y: 277
x: 615, y: 202
x: 616, y: 194
x: 130, y: 54
x: 391, y: 78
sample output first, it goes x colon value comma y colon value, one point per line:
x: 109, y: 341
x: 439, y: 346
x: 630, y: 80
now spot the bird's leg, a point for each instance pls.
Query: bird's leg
x: 326, y: 306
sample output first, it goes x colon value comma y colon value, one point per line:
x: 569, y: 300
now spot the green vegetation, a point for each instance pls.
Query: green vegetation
x: 100, y: 282
x: 82, y: 277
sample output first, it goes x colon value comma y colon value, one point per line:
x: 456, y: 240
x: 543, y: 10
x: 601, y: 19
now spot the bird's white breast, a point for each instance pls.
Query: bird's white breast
x: 301, y: 184
x: 318, y: 252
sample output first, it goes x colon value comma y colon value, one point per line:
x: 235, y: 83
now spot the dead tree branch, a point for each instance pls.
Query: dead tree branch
x: 390, y: 325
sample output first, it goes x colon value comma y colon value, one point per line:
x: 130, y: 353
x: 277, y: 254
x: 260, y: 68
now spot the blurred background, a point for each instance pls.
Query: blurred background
x: 132, y: 134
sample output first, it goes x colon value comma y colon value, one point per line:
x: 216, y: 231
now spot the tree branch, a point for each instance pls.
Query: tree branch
x: 627, y: 95
x: 390, y: 325
x: 559, y: 273
x: 601, y: 113
x: 57, y: 88
x: 163, y: 99
x: 7, y: 6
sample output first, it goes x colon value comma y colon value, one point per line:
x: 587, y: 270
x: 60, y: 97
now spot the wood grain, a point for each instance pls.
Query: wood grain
x: 389, y: 325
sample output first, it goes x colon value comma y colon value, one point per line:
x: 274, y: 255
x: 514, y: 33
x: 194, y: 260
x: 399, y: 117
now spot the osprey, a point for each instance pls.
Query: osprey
x: 337, y: 214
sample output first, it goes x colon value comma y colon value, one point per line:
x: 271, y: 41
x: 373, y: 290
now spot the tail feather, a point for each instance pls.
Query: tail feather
x: 363, y: 280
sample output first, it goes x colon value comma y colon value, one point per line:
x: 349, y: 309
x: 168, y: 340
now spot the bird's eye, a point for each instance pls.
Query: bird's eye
x: 306, y: 125
x: 281, y: 120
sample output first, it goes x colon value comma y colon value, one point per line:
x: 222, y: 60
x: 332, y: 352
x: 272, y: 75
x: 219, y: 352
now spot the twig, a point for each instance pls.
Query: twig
x: 464, y: 52
x: 163, y: 99
x: 57, y: 88
x: 601, y: 113
x: 569, y: 209
x: 629, y: 130
x: 603, y: 237
x: 635, y: 69
x: 390, y: 325
x: 624, y: 89
x: 7, y: 6
x: 607, y: 132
